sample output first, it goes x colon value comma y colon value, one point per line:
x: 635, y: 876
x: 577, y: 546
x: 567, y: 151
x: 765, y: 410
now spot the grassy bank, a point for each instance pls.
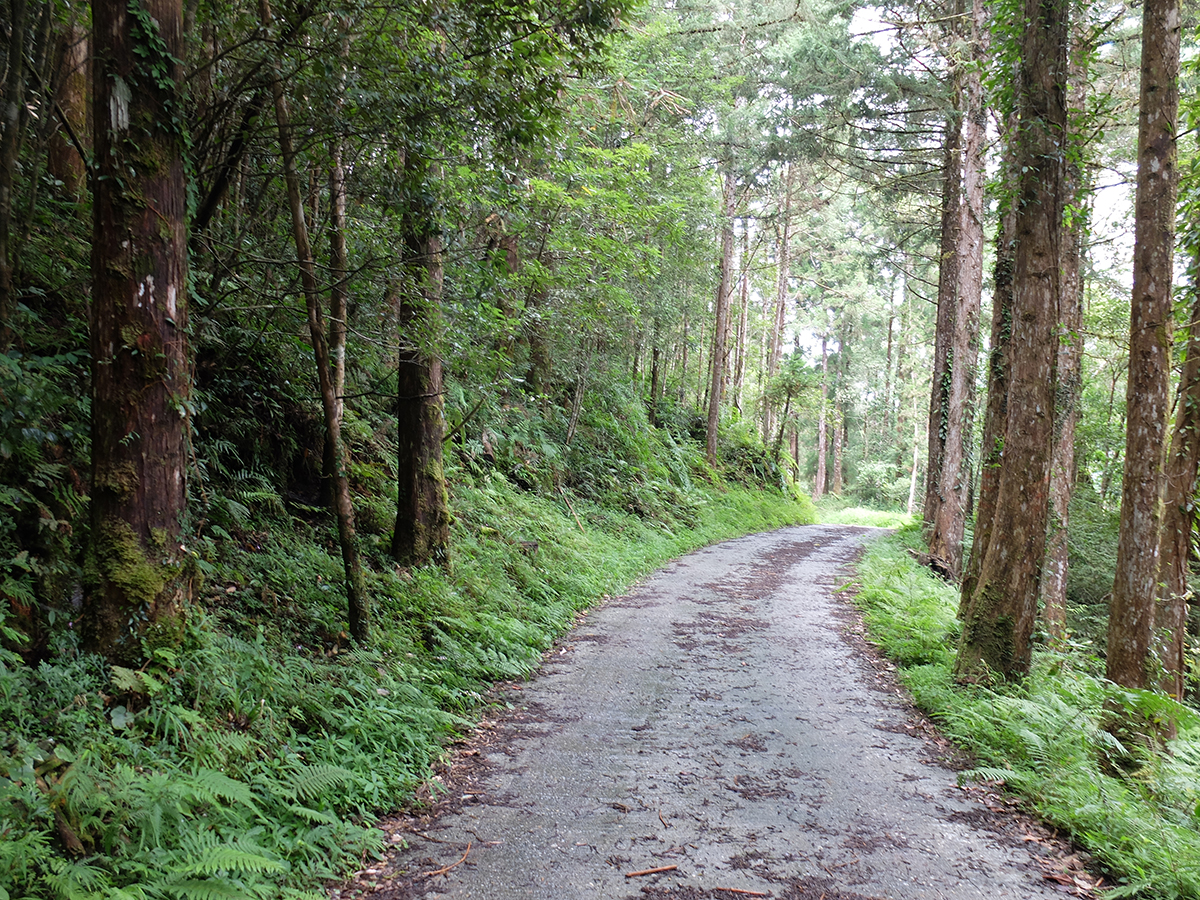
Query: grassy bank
x: 250, y: 761
x: 1136, y: 810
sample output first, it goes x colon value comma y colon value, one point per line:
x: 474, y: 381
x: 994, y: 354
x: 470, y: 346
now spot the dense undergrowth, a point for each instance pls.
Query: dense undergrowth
x: 1136, y: 809
x: 251, y: 760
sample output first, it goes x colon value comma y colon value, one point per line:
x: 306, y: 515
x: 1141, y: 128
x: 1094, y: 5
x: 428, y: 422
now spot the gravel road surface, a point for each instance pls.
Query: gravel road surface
x: 724, y: 719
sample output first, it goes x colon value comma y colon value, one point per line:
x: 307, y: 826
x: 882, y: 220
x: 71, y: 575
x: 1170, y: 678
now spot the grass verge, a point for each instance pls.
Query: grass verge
x: 1135, y: 809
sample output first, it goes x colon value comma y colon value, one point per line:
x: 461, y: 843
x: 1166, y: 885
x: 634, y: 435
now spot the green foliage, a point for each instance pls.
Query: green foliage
x: 1135, y: 808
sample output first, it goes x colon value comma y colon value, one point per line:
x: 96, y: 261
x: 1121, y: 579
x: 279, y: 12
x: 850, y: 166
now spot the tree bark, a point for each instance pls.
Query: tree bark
x: 949, y: 483
x: 721, y: 321
x: 1131, y: 612
x: 343, y: 507
x: 10, y: 140
x: 70, y: 97
x: 1053, y: 601
x: 739, y: 366
x: 940, y: 411
x: 135, y: 573
x: 1179, y: 511
x: 995, y: 420
x: 1003, y: 606
x: 779, y: 310
x: 422, y: 533
x: 818, y: 490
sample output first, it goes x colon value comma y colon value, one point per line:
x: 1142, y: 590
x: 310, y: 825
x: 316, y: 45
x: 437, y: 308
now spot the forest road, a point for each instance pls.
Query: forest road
x: 724, y: 718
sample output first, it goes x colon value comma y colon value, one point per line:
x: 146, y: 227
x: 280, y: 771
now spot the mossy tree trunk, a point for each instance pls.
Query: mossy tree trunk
x: 948, y: 487
x: 1002, y: 608
x: 136, y: 586
x: 422, y: 533
x: 1053, y: 601
x: 1130, y: 660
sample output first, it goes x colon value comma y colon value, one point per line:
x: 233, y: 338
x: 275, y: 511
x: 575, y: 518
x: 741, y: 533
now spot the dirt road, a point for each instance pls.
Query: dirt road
x: 723, y: 719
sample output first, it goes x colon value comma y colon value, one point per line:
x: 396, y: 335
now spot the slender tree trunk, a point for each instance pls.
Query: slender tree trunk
x: 721, y: 321
x: 739, y: 374
x: 70, y: 96
x: 339, y: 294
x: 10, y: 139
x: 940, y: 411
x: 358, y: 610
x: 1001, y: 612
x: 839, y: 445
x: 949, y: 485
x: 1147, y: 395
x: 819, y: 482
x: 137, y: 586
x: 1179, y: 510
x: 1070, y: 357
x: 783, y: 274
x: 996, y: 413
x: 422, y: 532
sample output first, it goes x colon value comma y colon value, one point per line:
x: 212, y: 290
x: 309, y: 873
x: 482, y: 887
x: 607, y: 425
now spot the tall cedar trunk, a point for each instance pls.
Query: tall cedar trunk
x: 996, y: 413
x: 779, y: 312
x: 818, y: 490
x: 901, y: 378
x: 422, y: 532
x: 1147, y: 395
x: 70, y: 97
x: 140, y: 379
x: 940, y: 411
x: 1176, y: 549
x: 739, y: 366
x: 655, y: 369
x: 10, y: 139
x: 1053, y: 601
x: 358, y: 611
x: 839, y: 443
x: 1179, y: 509
x: 721, y: 319
x: 948, y: 522
x: 1003, y: 606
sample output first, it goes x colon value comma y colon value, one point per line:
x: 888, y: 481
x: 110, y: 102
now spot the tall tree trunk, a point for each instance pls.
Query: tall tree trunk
x: 1147, y: 394
x: 739, y: 368
x: 358, y: 610
x: 339, y: 272
x: 996, y: 412
x: 940, y: 411
x: 1053, y: 601
x: 819, y: 482
x: 1179, y: 509
x: 10, y: 141
x: 721, y: 320
x: 70, y: 97
x: 137, y: 587
x: 1001, y: 612
x: 422, y: 532
x: 782, y: 276
x: 950, y: 482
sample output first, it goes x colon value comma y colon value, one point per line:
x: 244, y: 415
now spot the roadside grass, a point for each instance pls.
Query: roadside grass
x: 837, y: 511
x: 1135, y: 809
x: 252, y: 761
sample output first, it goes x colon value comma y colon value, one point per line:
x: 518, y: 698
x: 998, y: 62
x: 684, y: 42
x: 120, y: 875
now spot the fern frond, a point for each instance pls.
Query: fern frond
x: 314, y: 815
x: 307, y: 782
x: 988, y: 773
x: 211, y: 785
x: 230, y: 858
